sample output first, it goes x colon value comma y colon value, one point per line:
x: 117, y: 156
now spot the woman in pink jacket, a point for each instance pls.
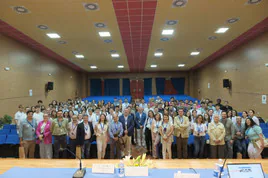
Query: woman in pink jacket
x: 44, y: 138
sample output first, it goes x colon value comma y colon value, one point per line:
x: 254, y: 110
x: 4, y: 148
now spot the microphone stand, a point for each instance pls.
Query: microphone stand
x: 79, y: 173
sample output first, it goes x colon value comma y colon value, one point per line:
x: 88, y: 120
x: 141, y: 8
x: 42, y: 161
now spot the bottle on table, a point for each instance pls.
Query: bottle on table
x: 121, y: 169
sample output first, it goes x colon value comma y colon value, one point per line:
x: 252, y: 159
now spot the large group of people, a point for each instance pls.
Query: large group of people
x: 152, y: 126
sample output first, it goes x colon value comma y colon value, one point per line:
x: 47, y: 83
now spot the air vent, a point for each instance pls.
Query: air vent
x: 100, y: 25
x: 212, y: 38
x: 42, y: 27
x: 20, y: 9
x: 172, y: 22
x: 75, y: 52
x: 179, y: 3
x: 112, y: 51
x: 164, y: 39
x: 232, y: 20
x: 159, y: 50
x: 91, y: 6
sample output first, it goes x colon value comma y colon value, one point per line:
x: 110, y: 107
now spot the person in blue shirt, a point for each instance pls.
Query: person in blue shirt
x: 115, y: 133
x: 256, y: 138
x: 140, y: 119
x: 27, y: 134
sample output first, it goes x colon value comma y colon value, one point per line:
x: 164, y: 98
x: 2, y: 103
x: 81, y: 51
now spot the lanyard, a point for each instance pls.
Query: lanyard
x: 86, y: 128
x: 157, y: 124
x: 102, y: 126
x: 30, y: 123
x: 59, y: 123
x: 73, y: 126
x: 115, y: 126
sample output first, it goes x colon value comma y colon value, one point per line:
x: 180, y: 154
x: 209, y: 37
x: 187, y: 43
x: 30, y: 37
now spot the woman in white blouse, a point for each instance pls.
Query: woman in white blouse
x: 156, y: 135
x: 166, y: 131
x: 199, y: 131
x: 101, y: 130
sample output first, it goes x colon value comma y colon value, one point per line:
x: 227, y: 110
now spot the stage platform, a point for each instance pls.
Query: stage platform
x: 13, y: 166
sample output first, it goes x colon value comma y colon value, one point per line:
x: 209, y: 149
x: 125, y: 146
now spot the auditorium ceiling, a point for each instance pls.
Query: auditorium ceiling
x: 137, y: 35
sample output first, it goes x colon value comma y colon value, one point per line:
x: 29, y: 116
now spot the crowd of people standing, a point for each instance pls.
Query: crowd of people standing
x: 153, y: 125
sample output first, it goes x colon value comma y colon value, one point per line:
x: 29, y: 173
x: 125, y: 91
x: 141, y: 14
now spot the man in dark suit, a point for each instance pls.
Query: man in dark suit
x: 128, y: 126
x: 140, y: 119
x: 84, y: 136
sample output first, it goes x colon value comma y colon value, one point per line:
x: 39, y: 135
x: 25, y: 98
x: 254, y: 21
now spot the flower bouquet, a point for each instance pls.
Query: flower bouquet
x: 138, y: 166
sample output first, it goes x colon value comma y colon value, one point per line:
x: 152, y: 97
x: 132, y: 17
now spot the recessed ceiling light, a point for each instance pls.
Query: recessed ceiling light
x: 195, y: 53
x: 232, y: 20
x: 49, y: 74
x: 120, y: 66
x: 62, y: 42
x: 212, y: 38
x: 153, y: 66
x: 21, y: 9
x: 222, y: 30
x: 42, y: 27
x: 115, y: 55
x: 164, y: 39
x: 254, y: 1
x: 158, y: 54
x: 108, y: 41
x: 104, y: 34
x: 91, y: 6
x: 93, y: 67
x: 100, y: 25
x: 80, y: 56
x: 181, y: 65
x: 179, y: 3
x: 53, y: 35
x: 171, y: 22
x: 168, y: 32
x: 7, y: 68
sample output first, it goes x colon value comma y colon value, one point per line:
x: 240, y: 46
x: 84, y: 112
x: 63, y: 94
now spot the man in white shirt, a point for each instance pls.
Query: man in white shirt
x: 38, y: 115
x: 19, y: 116
x: 110, y: 115
x: 125, y: 104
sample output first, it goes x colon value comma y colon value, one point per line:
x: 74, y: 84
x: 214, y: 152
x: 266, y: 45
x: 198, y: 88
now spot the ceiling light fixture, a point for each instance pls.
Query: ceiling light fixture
x: 42, y: 27
x: 181, y: 65
x: 232, y: 20
x: 222, y: 30
x: 108, y: 41
x: 79, y: 56
x: 53, y: 35
x: 100, y: 25
x: 254, y: 1
x: 212, y: 38
x: 120, y: 66
x: 168, y: 32
x: 21, y: 9
x: 171, y: 22
x: 93, y: 67
x: 62, y: 42
x: 74, y: 52
x: 7, y: 68
x: 179, y: 3
x: 195, y: 53
x: 115, y: 55
x: 158, y: 54
x: 153, y: 66
x: 104, y: 34
x: 91, y: 6
x: 164, y: 39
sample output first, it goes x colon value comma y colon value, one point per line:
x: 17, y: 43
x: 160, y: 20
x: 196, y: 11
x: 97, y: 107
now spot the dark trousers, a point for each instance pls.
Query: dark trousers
x: 148, y: 139
x: 240, y: 147
x: 86, y: 149
x: 199, y: 144
x: 115, y: 151
x: 228, y: 149
x: 217, y: 151
x: 73, y: 146
x: 59, y: 142
x: 182, y: 144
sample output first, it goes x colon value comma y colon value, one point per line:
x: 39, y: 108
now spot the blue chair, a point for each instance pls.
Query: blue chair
x: 13, y: 132
x: 3, y: 139
x: 263, y: 125
x: 4, y: 131
x: 13, y: 139
x: 191, y: 140
x: 13, y: 127
x: 6, y: 126
x: 265, y: 134
x: 240, y: 114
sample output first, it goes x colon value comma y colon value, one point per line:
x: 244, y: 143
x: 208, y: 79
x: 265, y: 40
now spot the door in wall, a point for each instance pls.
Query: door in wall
x: 137, y: 88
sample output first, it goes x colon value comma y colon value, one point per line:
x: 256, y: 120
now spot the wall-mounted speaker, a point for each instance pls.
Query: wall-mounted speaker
x: 50, y: 85
x: 226, y: 83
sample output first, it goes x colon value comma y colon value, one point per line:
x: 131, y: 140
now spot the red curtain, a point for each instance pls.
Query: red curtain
x: 169, y: 89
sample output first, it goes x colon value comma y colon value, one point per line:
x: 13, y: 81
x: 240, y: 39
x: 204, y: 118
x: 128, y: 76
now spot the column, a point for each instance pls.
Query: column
x: 153, y: 86
x: 121, y: 86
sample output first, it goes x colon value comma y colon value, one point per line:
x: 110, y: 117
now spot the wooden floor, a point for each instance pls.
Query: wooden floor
x: 6, y: 164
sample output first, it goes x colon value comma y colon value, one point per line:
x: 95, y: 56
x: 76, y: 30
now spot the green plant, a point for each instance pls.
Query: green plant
x: 5, y: 120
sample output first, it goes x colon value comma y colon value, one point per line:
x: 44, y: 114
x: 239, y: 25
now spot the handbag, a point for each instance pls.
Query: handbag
x: 258, y: 142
